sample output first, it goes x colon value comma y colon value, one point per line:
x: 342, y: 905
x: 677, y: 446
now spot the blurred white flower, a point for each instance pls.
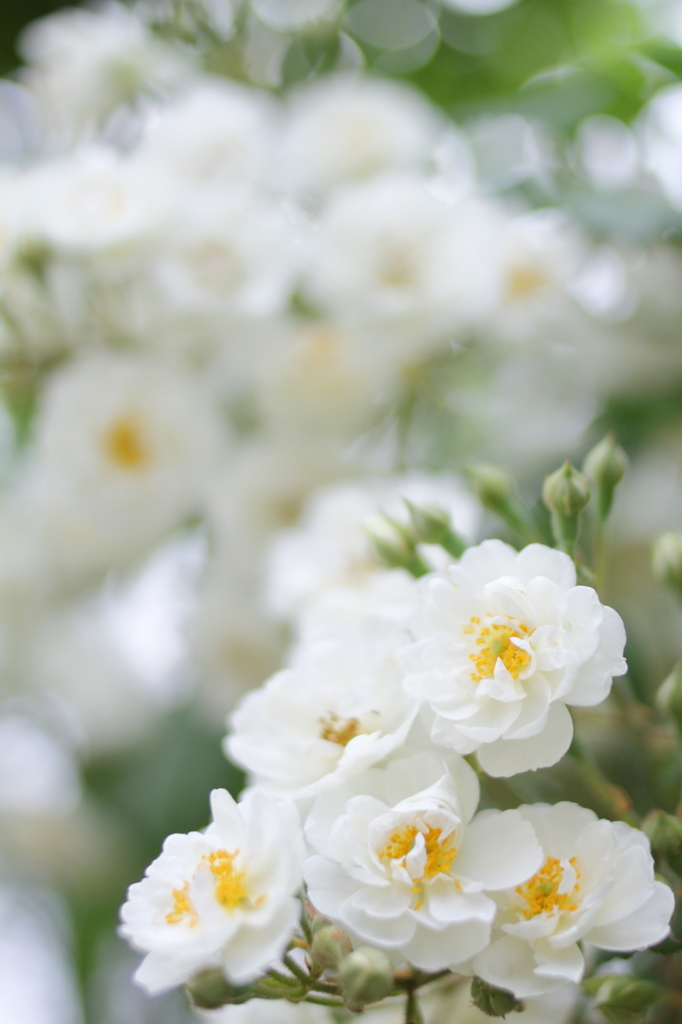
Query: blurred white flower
x: 337, y: 710
x: 661, y: 128
x: 401, y: 864
x: 267, y: 1011
x: 348, y: 127
x: 596, y: 883
x: 330, y: 547
x: 217, y: 132
x: 221, y: 898
x: 84, y: 62
x: 505, y: 641
x: 388, y: 253
x: 116, y: 469
x: 284, y: 15
x: 38, y: 774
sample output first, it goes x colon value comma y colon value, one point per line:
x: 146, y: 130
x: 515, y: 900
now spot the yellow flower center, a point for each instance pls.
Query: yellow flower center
x: 542, y: 894
x: 496, y: 641
x: 230, y: 886
x: 525, y: 281
x: 440, y: 853
x: 182, y: 907
x: 125, y: 444
x: 339, y: 730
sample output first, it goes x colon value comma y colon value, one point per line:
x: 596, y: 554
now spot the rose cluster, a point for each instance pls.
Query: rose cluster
x: 396, y: 693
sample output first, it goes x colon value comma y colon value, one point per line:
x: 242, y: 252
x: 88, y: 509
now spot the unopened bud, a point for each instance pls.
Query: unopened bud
x: 365, y: 977
x: 329, y: 947
x: 494, y: 1002
x: 666, y: 561
x: 621, y: 998
x: 395, y: 547
x: 669, y: 695
x: 492, y: 486
x: 433, y: 525
x: 209, y: 989
x: 664, y: 832
x: 605, y: 467
x: 567, y: 491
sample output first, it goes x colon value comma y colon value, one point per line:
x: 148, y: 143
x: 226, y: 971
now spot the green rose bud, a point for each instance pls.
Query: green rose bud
x: 329, y: 947
x: 494, y: 1002
x: 365, y: 977
x: 493, y: 487
x: 209, y: 989
x: 432, y: 525
x: 669, y: 695
x: 666, y: 561
x: 664, y: 832
x: 621, y: 998
x: 395, y: 547
x: 605, y: 467
x: 566, y: 493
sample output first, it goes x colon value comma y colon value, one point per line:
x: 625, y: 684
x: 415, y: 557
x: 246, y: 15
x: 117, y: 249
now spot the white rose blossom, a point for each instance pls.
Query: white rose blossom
x: 402, y: 865
x: 505, y: 640
x: 221, y: 898
x: 348, y: 127
x: 596, y: 883
x: 339, y: 709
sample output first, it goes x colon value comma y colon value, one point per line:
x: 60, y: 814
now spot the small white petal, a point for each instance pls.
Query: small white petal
x: 500, y: 850
x: 509, y: 757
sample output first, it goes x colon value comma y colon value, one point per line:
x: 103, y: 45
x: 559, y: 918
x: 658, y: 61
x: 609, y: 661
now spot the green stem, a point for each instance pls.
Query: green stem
x: 321, y: 1001
x: 413, y: 1013
x: 282, y: 979
x: 297, y: 971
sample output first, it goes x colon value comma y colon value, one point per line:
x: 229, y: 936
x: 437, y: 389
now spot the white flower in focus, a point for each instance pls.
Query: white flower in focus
x: 217, y: 133
x: 505, y: 641
x: 596, y: 883
x: 339, y: 709
x: 119, y: 465
x: 331, y: 548
x: 220, y: 898
x: 402, y: 865
x: 387, y: 252
x: 347, y: 127
x: 87, y: 61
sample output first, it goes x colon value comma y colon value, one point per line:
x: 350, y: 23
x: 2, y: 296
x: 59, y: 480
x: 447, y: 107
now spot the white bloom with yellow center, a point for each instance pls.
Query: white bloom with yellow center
x: 119, y: 466
x: 221, y: 898
x: 339, y: 709
x: 402, y: 865
x: 505, y: 641
x: 596, y: 883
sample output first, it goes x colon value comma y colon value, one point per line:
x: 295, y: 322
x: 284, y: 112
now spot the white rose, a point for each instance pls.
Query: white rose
x: 596, y: 883
x: 389, y: 253
x: 220, y: 898
x: 402, y: 865
x: 339, y: 709
x: 348, y: 127
x: 505, y: 640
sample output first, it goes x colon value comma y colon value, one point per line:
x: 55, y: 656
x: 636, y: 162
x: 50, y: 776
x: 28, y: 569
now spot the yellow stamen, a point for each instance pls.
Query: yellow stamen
x: 230, y: 888
x: 496, y: 641
x: 182, y: 907
x: 524, y: 281
x: 439, y: 854
x: 339, y: 730
x: 125, y: 445
x: 542, y: 894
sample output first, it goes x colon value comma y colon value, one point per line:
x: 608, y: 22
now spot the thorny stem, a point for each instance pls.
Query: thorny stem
x: 297, y: 971
x: 413, y: 1013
